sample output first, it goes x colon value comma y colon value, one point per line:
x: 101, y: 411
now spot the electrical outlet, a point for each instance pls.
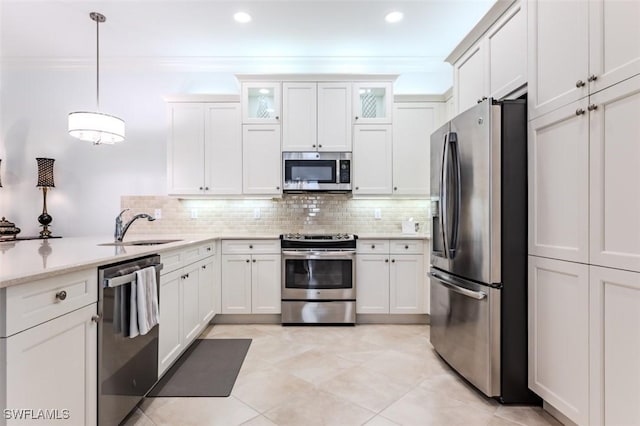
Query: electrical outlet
x: 256, y: 213
x: 194, y: 213
x: 377, y: 214
x: 158, y: 214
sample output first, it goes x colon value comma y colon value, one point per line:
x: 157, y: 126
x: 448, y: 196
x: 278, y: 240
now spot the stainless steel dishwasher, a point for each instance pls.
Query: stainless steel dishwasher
x: 127, y: 367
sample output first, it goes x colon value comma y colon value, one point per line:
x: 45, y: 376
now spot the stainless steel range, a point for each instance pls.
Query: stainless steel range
x: 318, y: 279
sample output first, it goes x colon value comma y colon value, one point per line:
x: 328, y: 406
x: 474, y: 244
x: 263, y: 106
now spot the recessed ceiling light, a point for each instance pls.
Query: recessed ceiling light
x: 394, y: 17
x: 242, y: 17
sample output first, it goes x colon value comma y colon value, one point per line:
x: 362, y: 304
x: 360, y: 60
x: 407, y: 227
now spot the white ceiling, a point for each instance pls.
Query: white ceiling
x: 288, y: 33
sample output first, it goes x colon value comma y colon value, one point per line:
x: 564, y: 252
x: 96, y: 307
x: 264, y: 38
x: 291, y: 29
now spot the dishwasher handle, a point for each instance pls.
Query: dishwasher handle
x: 128, y: 278
x: 451, y: 285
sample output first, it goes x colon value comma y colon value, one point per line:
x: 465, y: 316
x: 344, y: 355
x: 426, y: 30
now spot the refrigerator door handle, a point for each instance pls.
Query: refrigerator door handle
x: 451, y: 285
x: 455, y: 156
x: 443, y: 196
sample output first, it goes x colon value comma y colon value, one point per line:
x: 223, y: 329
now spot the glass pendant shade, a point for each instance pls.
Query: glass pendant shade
x: 96, y: 127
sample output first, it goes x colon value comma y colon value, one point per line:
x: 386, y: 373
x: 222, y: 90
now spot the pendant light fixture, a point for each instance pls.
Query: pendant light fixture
x: 96, y: 127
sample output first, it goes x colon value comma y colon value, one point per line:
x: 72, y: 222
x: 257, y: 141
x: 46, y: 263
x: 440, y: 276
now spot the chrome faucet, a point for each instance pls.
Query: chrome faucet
x: 122, y: 229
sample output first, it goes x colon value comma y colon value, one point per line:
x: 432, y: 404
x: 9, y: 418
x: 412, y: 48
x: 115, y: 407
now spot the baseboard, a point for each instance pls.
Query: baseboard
x: 392, y: 319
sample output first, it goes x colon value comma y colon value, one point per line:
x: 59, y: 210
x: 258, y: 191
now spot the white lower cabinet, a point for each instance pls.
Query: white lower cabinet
x: 52, y: 367
x: 615, y: 346
x: 48, y: 351
x: 187, y: 301
x: 390, y: 277
x: 251, y: 282
x: 559, y: 335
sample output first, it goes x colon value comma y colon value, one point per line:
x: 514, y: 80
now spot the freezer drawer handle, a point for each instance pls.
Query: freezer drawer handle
x: 478, y: 295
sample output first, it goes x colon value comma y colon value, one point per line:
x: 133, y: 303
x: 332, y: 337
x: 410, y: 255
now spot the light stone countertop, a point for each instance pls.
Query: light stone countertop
x: 28, y: 260
x: 395, y: 236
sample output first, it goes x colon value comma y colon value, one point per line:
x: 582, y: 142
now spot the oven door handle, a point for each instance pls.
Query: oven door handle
x: 318, y: 254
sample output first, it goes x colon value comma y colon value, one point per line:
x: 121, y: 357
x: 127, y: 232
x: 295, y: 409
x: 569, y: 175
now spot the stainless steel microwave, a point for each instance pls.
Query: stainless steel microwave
x: 316, y: 171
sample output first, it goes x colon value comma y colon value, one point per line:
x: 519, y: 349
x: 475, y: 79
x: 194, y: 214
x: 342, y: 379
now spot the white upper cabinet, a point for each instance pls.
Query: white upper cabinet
x: 261, y: 102
x: 316, y: 117
x: 470, y: 75
x: 299, y: 112
x: 580, y: 47
x: 615, y: 175
x: 492, y: 60
x: 413, y: 123
x: 372, y: 103
x: 185, y: 165
x: 223, y: 149
x: 334, y: 117
x: 205, y: 148
x: 559, y: 184
x: 372, y: 147
x: 506, y: 44
x: 261, y: 159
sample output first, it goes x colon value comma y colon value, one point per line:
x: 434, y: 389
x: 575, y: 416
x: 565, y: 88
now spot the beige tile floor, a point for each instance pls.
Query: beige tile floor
x: 374, y: 375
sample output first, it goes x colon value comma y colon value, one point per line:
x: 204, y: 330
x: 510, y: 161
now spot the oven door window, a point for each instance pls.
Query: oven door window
x: 320, y: 171
x: 318, y: 274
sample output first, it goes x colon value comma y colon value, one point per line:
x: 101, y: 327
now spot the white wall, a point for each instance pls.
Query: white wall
x: 90, y: 179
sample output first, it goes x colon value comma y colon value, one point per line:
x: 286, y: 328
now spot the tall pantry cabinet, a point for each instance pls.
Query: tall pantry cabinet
x: 584, y: 208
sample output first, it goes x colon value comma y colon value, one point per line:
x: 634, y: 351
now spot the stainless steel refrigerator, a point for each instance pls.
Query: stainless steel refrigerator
x: 479, y: 248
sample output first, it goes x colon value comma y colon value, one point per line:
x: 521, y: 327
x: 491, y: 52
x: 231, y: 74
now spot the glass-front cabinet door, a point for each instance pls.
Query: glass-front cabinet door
x: 372, y: 103
x: 261, y: 102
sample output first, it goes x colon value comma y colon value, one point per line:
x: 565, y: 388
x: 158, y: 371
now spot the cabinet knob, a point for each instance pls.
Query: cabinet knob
x: 201, y: 188
x: 357, y: 117
x: 250, y: 245
x: 580, y: 84
x: 386, y: 261
x: 208, y: 248
x: 319, y: 146
x: 406, y: 247
x: 373, y: 246
x: 206, y: 188
x: 254, y: 261
x: 96, y: 318
x: 278, y: 188
x: 247, y: 260
x: 395, y: 188
x: 204, y: 266
x: 314, y: 145
x: 277, y: 117
x: 580, y: 111
x: 187, y: 276
x: 592, y: 107
x: 393, y: 261
x: 61, y: 295
x: 357, y: 188
x: 593, y: 77
x: 183, y: 277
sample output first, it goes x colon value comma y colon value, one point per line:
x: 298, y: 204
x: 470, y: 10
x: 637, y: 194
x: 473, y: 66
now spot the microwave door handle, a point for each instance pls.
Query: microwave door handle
x: 456, y: 188
x: 444, y: 197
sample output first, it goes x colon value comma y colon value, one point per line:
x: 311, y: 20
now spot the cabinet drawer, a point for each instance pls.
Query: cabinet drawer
x: 194, y: 254
x: 372, y: 246
x: 39, y: 301
x: 171, y: 261
x: 407, y: 246
x: 250, y: 246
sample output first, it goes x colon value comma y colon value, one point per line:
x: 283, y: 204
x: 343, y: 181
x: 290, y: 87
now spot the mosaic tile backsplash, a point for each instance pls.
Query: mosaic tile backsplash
x: 304, y: 213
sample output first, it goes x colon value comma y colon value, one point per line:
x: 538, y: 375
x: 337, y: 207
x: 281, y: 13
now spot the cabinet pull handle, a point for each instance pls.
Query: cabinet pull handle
x: 96, y: 318
x: 580, y: 84
x: 592, y: 107
x: 247, y: 260
x: 580, y: 111
x: 593, y: 77
x: 61, y: 295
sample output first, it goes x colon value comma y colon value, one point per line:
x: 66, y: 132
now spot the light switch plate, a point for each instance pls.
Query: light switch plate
x: 157, y: 214
x: 377, y: 214
x: 256, y: 213
x: 194, y: 213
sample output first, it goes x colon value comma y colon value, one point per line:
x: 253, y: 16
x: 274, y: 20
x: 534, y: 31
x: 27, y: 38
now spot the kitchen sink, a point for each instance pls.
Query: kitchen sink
x: 139, y: 243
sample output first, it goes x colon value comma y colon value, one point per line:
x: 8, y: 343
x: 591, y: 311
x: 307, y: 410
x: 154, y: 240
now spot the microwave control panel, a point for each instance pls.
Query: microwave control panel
x: 345, y: 171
